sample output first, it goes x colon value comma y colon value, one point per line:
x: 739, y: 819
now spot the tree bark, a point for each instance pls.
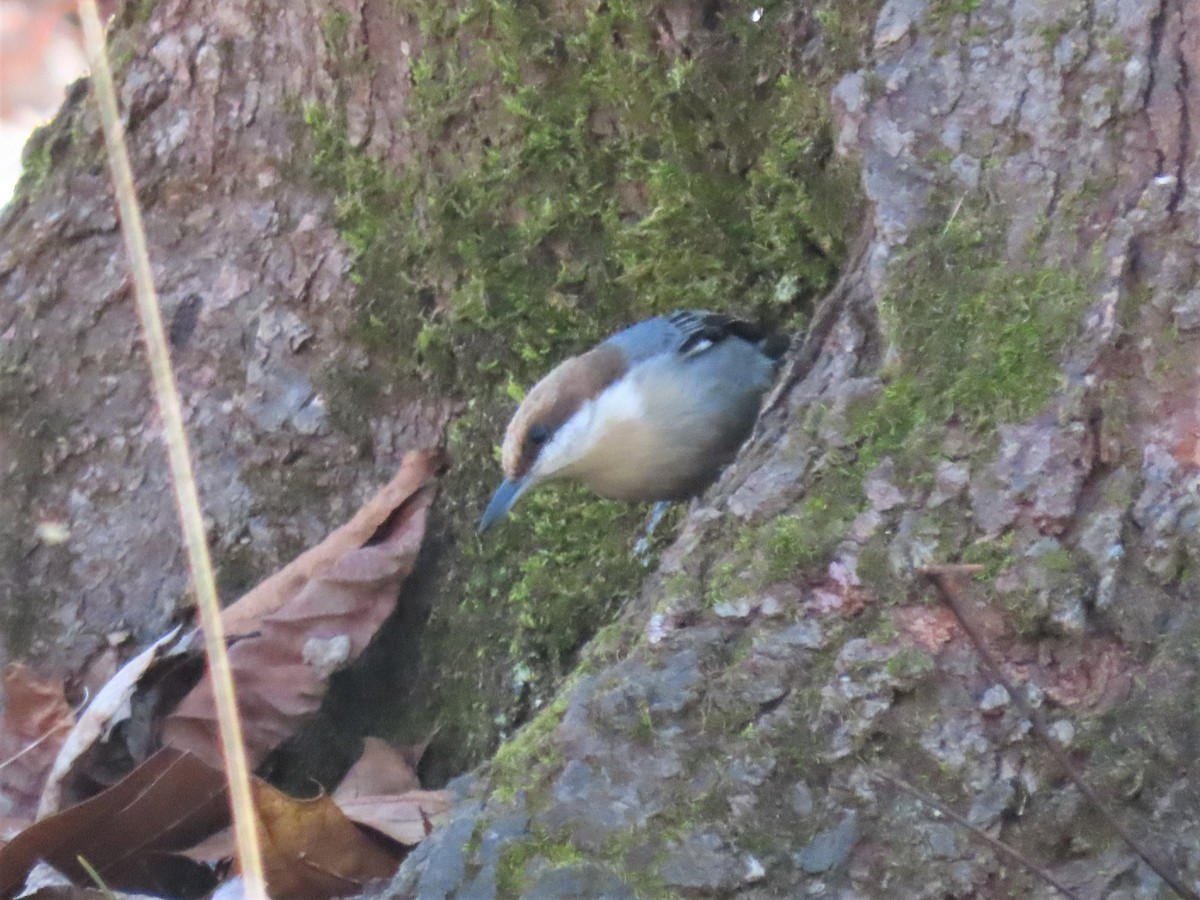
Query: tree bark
x: 1004, y: 375
x: 251, y: 274
x: 748, y: 739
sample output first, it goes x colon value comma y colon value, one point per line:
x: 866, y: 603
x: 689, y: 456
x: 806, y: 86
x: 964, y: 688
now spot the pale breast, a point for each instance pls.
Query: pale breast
x: 636, y: 461
x: 666, y: 432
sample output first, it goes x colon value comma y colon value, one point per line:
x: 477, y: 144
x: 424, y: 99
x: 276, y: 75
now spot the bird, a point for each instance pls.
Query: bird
x: 652, y: 413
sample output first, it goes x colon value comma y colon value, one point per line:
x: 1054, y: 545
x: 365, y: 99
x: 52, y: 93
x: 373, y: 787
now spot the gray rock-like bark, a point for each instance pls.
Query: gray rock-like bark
x: 1076, y: 123
x: 730, y: 739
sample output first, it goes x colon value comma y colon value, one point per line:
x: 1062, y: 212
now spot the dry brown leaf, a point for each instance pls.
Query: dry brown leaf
x: 406, y: 818
x: 300, y: 630
x: 929, y: 627
x: 36, y: 722
x: 130, y: 831
x: 11, y: 826
x: 243, y: 616
x: 382, y: 769
x: 110, y: 706
x: 312, y: 851
x: 218, y: 847
x: 381, y: 791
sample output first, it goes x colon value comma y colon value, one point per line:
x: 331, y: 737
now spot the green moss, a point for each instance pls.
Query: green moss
x: 802, y: 541
x: 1117, y: 48
x: 638, y: 853
x: 35, y: 159
x: 643, y: 729
x: 610, y: 643
x: 994, y: 555
x: 940, y: 156
x: 528, y: 755
x: 981, y: 338
x: 978, y: 341
x: 910, y: 665
x: 335, y: 30
x: 610, y: 180
x: 1053, y: 33
x: 570, y: 174
x: 138, y: 11
x: 942, y: 12
x: 875, y: 568
x: 793, y: 546
x: 516, y: 857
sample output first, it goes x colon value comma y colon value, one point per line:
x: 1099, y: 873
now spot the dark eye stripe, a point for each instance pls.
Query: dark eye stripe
x: 539, y: 434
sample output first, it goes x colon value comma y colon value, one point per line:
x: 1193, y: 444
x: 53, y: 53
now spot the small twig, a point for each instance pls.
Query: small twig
x: 178, y: 457
x: 46, y: 735
x: 947, y: 580
x: 954, y: 214
x: 999, y: 846
x: 34, y: 744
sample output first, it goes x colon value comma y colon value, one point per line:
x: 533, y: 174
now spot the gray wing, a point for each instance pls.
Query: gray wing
x: 687, y: 332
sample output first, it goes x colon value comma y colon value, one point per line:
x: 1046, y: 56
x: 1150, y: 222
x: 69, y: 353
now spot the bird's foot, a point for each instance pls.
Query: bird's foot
x: 641, y: 549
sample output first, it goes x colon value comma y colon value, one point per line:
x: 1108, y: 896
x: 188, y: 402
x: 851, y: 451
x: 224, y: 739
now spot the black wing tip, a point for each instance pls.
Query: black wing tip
x: 774, y: 346
x: 703, y: 326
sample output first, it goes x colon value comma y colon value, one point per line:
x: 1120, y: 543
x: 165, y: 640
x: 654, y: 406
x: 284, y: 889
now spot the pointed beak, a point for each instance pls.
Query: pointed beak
x: 502, y: 501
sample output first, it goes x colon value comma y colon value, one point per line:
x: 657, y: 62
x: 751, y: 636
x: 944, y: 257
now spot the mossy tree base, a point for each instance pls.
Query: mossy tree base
x: 576, y: 169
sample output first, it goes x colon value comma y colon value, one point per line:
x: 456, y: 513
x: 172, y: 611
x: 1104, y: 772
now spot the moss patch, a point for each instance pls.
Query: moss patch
x: 514, y: 861
x: 522, y: 761
x: 979, y: 339
x: 977, y: 344
x: 574, y: 169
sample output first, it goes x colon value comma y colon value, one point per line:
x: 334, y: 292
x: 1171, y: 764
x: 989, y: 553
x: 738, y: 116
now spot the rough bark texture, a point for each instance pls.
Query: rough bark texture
x: 731, y: 742
x: 251, y: 275
x: 1006, y: 374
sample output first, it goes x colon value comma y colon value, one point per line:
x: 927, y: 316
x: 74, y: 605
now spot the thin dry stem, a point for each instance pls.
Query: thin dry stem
x: 186, y: 495
x: 44, y: 736
x: 96, y: 879
x: 34, y: 744
x: 999, y: 846
x: 948, y: 582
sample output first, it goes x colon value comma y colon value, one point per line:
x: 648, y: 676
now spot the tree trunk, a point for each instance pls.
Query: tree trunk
x: 367, y: 221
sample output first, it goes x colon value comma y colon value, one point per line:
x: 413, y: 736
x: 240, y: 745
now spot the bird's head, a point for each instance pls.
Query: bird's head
x: 548, y: 433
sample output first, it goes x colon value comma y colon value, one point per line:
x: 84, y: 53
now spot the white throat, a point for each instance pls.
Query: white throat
x: 589, y: 430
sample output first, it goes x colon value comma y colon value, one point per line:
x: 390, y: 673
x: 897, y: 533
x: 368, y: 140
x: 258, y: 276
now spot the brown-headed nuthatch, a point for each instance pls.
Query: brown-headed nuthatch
x: 652, y: 413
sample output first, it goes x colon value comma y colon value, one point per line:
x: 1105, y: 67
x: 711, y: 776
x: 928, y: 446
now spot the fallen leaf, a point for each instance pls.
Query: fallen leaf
x: 382, y: 769
x: 109, y: 708
x: 406, y: 818
x: 36, y: 722
x: 311, y: 850
x: 218, y: 847
x: 130, y: 832
x: 380, y: 792
x: 929, y: 627
x: 274, y: 592
x: 314, y: 616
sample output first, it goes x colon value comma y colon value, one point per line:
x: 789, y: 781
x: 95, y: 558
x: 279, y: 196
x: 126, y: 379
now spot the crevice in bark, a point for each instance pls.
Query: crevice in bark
x: 1182, y: 91
x: 1158, y: 24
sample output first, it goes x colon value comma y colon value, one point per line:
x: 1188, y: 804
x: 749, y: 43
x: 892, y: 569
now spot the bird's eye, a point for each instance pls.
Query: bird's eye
x: 538, y: 435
